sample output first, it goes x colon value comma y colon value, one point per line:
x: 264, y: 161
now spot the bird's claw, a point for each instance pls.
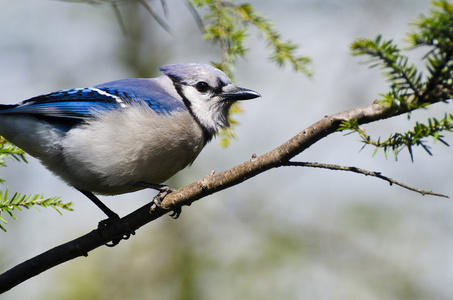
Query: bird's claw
x: 115, y: 242
x: 176, y: 213
x: 164, y: 190
x: 109, y: 222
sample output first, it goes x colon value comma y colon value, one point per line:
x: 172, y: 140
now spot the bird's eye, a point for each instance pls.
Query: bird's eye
x: 202, y: 87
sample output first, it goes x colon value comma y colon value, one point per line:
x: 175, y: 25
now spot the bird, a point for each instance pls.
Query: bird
x: 125, y: 135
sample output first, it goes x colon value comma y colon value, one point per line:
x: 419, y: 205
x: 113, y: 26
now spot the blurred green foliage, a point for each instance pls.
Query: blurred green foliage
x: 228, y: 24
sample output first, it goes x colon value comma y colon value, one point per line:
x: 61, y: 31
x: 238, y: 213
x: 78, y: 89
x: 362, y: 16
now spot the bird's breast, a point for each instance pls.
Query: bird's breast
x: 112, y: 152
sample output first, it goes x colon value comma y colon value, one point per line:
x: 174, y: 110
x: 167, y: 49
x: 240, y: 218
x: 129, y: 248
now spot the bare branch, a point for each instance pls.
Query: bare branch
x: 379, y: 175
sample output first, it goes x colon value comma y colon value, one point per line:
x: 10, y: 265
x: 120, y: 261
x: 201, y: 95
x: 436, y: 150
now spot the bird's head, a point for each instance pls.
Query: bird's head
x: 207, y: 92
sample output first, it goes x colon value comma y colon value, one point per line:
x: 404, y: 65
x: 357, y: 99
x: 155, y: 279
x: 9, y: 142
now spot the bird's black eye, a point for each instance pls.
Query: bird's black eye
x: 202, y: 87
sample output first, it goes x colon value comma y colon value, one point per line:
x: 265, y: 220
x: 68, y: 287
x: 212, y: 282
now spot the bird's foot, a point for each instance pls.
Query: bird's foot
x: 164, y: 190
x: 115, y: 242
x: 112, y: 221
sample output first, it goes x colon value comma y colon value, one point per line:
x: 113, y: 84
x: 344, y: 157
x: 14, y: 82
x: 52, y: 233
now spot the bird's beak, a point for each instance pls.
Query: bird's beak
x: 240, y: 94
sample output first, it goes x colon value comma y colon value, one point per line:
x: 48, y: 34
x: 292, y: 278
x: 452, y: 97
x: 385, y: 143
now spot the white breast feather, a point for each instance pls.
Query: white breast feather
x: 111, y: 153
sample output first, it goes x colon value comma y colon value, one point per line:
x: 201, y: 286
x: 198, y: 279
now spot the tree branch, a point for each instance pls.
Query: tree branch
x: 118, y: 229
x: 276, y: 157
x: 379, y: 175
x: 107, y: 231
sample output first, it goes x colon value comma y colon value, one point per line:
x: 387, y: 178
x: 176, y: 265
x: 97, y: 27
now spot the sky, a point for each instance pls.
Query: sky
x: 311, y: 233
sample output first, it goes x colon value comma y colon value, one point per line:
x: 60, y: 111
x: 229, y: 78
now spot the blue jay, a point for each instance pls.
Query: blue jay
x: 125, y: 135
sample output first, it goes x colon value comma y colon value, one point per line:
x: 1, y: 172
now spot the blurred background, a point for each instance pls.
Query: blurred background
x: 291, y: 233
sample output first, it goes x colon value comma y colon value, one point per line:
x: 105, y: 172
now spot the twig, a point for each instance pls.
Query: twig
x: 391, y: 181
x: 156, y: 17
x: 119, y: 18
x: 196, y: 16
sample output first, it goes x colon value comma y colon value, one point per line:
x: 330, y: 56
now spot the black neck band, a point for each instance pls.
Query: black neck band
x: 207, y: 134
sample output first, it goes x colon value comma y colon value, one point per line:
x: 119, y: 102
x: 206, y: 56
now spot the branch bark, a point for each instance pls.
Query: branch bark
x: 118, y: 229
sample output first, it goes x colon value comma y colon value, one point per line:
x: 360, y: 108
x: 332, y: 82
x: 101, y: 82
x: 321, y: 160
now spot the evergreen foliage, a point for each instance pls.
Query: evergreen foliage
x: 410, y: 88
x: 228, y: 24
x: 19, y: 201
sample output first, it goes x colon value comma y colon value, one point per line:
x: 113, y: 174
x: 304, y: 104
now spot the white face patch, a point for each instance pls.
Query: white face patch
x: 208, y: 108
x: 116, y: 98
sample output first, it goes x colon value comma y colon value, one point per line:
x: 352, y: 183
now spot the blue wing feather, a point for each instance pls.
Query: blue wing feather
x: 87, y: 102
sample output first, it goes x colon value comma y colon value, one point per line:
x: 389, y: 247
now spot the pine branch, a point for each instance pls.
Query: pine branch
x: 19, y: 201
x: 416, y: 137
x: 404, y: 78
x: 228, y: 24
x: 409, y: 89
x: 282, y: 51
x: 8, y: 150
x: 434, y: 33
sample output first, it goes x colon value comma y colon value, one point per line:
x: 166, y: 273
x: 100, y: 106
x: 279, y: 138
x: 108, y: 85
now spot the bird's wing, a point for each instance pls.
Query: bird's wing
x: 88, y: 102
